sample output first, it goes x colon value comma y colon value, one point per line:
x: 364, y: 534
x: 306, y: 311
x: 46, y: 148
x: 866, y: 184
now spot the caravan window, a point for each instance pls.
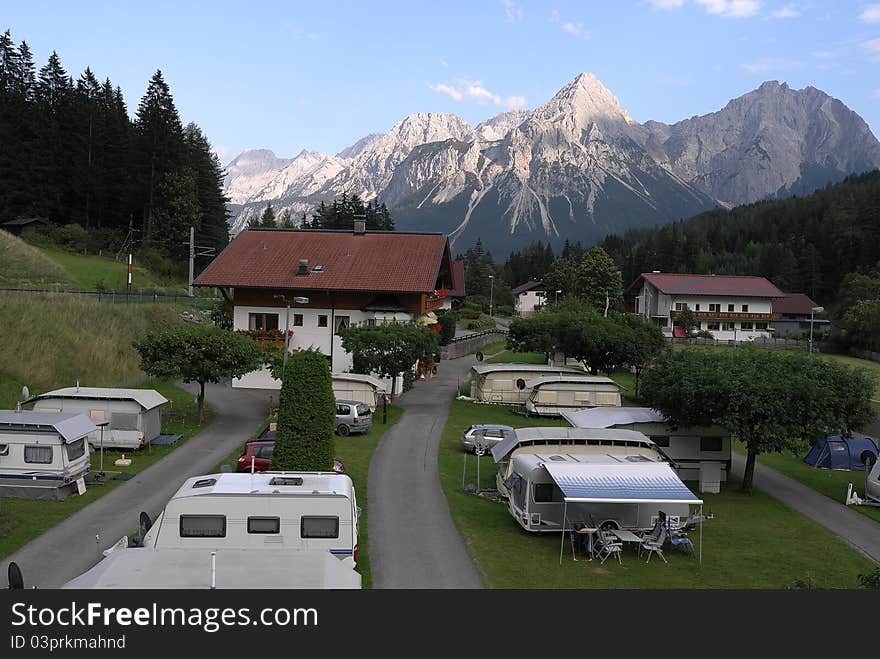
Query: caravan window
x: 517, y: 488
x: 711, y: 443
x: 76, y: 449
x: 124, y: 421
x: 203, y: 526
x: 41, y: 455
x: 547, y: 493
x: 264, y: 525
x: 660, y: 440
x: 319, y: 527
x: 4, y: 449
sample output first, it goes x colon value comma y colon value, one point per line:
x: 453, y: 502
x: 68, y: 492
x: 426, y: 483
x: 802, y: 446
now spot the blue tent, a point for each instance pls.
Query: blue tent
x: 836, y: 452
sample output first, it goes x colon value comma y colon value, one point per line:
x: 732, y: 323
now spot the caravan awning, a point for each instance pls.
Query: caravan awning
x: 642, y: 482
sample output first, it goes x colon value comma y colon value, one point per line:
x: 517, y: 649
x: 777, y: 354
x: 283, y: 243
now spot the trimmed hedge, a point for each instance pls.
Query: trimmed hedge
x: 306, y: 415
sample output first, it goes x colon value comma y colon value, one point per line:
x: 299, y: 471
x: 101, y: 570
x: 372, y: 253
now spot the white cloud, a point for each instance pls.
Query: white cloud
x: 876, y: 94
x: 788, y: 11
x: 870, y: 14
x: 475, y: 91
x: 731, y: 8
x: 873, y: 48
x: 452, y: 92
x: 769, y: 64
x: 574, y: 29
x: 666, y: 5
x: 512, y: 13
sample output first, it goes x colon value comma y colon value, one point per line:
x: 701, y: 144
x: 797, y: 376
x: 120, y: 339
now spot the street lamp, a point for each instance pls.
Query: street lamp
x: 557, y: 296
x: 813, y: 312
x: 491, y: 291
x: 298, y: 300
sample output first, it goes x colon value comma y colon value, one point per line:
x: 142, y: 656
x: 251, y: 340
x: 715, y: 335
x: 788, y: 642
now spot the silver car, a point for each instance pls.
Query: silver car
x: 492, y: 433
x: 353, y: 417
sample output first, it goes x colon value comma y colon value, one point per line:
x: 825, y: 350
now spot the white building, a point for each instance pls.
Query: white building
x: 530, y: 298
x: 731, y: 308
x: 315, y: 283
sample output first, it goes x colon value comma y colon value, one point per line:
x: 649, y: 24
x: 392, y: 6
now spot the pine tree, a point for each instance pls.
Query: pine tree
x: 267, y: 219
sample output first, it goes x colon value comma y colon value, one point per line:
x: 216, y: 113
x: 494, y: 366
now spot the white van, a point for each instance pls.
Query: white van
x: 268, y: 510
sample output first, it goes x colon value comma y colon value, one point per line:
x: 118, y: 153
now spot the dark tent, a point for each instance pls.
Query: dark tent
x: 836, y: 452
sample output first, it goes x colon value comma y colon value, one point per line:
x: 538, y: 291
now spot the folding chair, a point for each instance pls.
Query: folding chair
x: 655, y: 546
x: 609, y: 545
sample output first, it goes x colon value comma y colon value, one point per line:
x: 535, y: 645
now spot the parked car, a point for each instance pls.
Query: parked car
x: 260, y: 450
x: 352, y: 417
x: 492, y: 433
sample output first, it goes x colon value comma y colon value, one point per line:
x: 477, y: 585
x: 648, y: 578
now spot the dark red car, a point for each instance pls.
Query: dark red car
x: 260, y: 451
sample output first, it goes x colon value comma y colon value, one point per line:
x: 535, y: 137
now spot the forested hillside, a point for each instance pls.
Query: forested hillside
x: 71, y: 153
x: 806, y: 244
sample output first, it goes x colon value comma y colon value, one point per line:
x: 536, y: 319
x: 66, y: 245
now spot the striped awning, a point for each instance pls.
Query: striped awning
x: 640, y: 482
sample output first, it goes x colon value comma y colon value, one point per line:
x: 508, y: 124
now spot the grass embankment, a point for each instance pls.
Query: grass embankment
x: 25, y: 266
x: 53, y: 341
x: 356, y: 452
x: 22, y: 520
x: 754, y: 541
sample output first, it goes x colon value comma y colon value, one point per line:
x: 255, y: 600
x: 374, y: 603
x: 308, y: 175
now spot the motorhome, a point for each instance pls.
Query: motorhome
x: 362, y: 388
x: 555, y: 394
x: 126, y: 418
x: 43, y: 455
x: 556, y: 491
x: 506, y: 383
x: 699, y: 453
x: 269, y: 510
x: 872, y: 489
x: 567, y: 441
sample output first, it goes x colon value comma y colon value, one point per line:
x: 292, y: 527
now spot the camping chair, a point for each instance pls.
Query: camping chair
x: 654, y: 546
x: 608, y: 546
x: 680, y: 540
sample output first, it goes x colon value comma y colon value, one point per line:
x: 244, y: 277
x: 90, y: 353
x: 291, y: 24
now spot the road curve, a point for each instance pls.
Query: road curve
x: 69, y: 548
x: 413, y: 541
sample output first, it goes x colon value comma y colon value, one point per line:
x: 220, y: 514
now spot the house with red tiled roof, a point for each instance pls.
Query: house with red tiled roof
x: 731, y: 308
x: 529, y: 297
x: 315, y: 283
x: 797, y: 312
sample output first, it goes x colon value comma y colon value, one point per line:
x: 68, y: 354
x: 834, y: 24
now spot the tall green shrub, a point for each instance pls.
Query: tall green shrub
x: 306, y: 415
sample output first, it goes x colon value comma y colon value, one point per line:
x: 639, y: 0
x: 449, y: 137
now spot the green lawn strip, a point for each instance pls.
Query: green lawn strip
x: 22, y: 520
x: 830, y: 482
x: 355, y: 451
x: 754, y: 541
x: 518, y: 358
x: 10, y: 392
x: 90, y: 271
x: 492, y: 348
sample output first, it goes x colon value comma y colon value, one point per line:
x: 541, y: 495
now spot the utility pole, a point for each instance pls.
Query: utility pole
x: 192, y: 258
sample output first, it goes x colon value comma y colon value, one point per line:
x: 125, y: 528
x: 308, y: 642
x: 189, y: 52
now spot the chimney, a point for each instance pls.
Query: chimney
x: 360, y: 226
x: 303, y: 268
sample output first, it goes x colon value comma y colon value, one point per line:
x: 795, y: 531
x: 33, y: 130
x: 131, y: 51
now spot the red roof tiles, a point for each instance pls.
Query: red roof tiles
x: 722, y: 285
x: 382, y: 261
x: 457, y: 289
x: 795, y: 304
x: 528, y: 286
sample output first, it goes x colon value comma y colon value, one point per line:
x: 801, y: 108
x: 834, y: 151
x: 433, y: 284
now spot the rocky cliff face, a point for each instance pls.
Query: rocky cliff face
x: 576, y: 167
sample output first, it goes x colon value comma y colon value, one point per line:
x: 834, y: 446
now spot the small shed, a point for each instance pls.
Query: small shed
x: 507, y: 383
x: 551, y: 395
x: 362, y: 388
x: 22, y: 226
x: 133, y: 417
x: 847, y: 453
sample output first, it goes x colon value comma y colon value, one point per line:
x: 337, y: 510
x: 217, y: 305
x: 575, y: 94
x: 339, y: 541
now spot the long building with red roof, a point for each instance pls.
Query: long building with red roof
x: 329, y: 280
x: 732, y: 308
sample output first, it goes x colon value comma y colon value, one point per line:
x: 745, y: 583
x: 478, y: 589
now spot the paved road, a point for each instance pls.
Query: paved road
x: 860, y: 531
x: 69, y: 548
x: 413, y: 542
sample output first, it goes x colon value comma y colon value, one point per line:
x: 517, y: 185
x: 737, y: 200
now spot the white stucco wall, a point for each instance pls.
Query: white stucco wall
x: 526, y: 302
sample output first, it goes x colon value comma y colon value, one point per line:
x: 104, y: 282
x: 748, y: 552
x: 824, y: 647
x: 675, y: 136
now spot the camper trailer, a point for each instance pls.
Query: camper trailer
x: 131, y: 418
x: 552, y: 395
x: 553, y: 491
x: 506, y: 383
x: 357, y: 387
x: 567, y: 441
x: 269, y: 510
x: 696, y: 453
x: 43, y: 455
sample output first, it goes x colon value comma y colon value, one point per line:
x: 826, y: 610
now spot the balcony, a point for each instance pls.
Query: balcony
x: 274, y: 336
x: 730, y: 315
x: 432, y: 301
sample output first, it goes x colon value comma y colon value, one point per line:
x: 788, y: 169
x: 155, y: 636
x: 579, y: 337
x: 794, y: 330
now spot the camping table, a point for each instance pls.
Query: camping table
x: 626, y: 536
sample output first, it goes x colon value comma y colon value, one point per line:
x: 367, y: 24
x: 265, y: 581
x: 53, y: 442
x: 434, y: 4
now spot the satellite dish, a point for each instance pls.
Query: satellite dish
x: 144, y: 523
x: 16, y: 581
x: 25, y: 393
x: 479, y: 356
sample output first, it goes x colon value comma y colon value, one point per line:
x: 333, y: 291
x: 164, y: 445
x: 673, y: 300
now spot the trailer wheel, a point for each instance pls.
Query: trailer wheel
x: 609, y: 525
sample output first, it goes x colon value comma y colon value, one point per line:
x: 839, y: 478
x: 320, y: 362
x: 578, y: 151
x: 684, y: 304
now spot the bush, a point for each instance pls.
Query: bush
x: 160, y: 265
x: 870, y: 581
x: 306, y: 415
x: 71, y: 237
x: 447, y: 326
x: 482, y: 323
x: 704, y: 334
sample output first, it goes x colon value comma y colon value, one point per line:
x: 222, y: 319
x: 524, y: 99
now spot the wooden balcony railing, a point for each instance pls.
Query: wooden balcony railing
x: 730, y: 315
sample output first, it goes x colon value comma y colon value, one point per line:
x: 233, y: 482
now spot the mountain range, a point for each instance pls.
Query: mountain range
x: 577, y: 167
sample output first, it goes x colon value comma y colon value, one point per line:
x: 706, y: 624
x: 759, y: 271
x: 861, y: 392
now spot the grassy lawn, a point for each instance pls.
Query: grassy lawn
x: 830, y: 482
x: 493, y: 348
x: 89, y: 273
x: 509, y: 356
x: 754, y: 541
x: 22, y: 520
x: 26, y: 267
x: 355, y: 451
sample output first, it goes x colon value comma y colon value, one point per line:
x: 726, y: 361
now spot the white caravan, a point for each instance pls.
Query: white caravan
x: 130, y: 418
x: 556, y: 394
x: 253, y: 512
x: 554, y: 491
x: 42, y: 455
x: 506, y: 383
x: 872, y: 489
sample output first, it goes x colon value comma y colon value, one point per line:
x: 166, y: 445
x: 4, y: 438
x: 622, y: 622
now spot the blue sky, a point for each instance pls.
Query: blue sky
x: 320, y: 75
